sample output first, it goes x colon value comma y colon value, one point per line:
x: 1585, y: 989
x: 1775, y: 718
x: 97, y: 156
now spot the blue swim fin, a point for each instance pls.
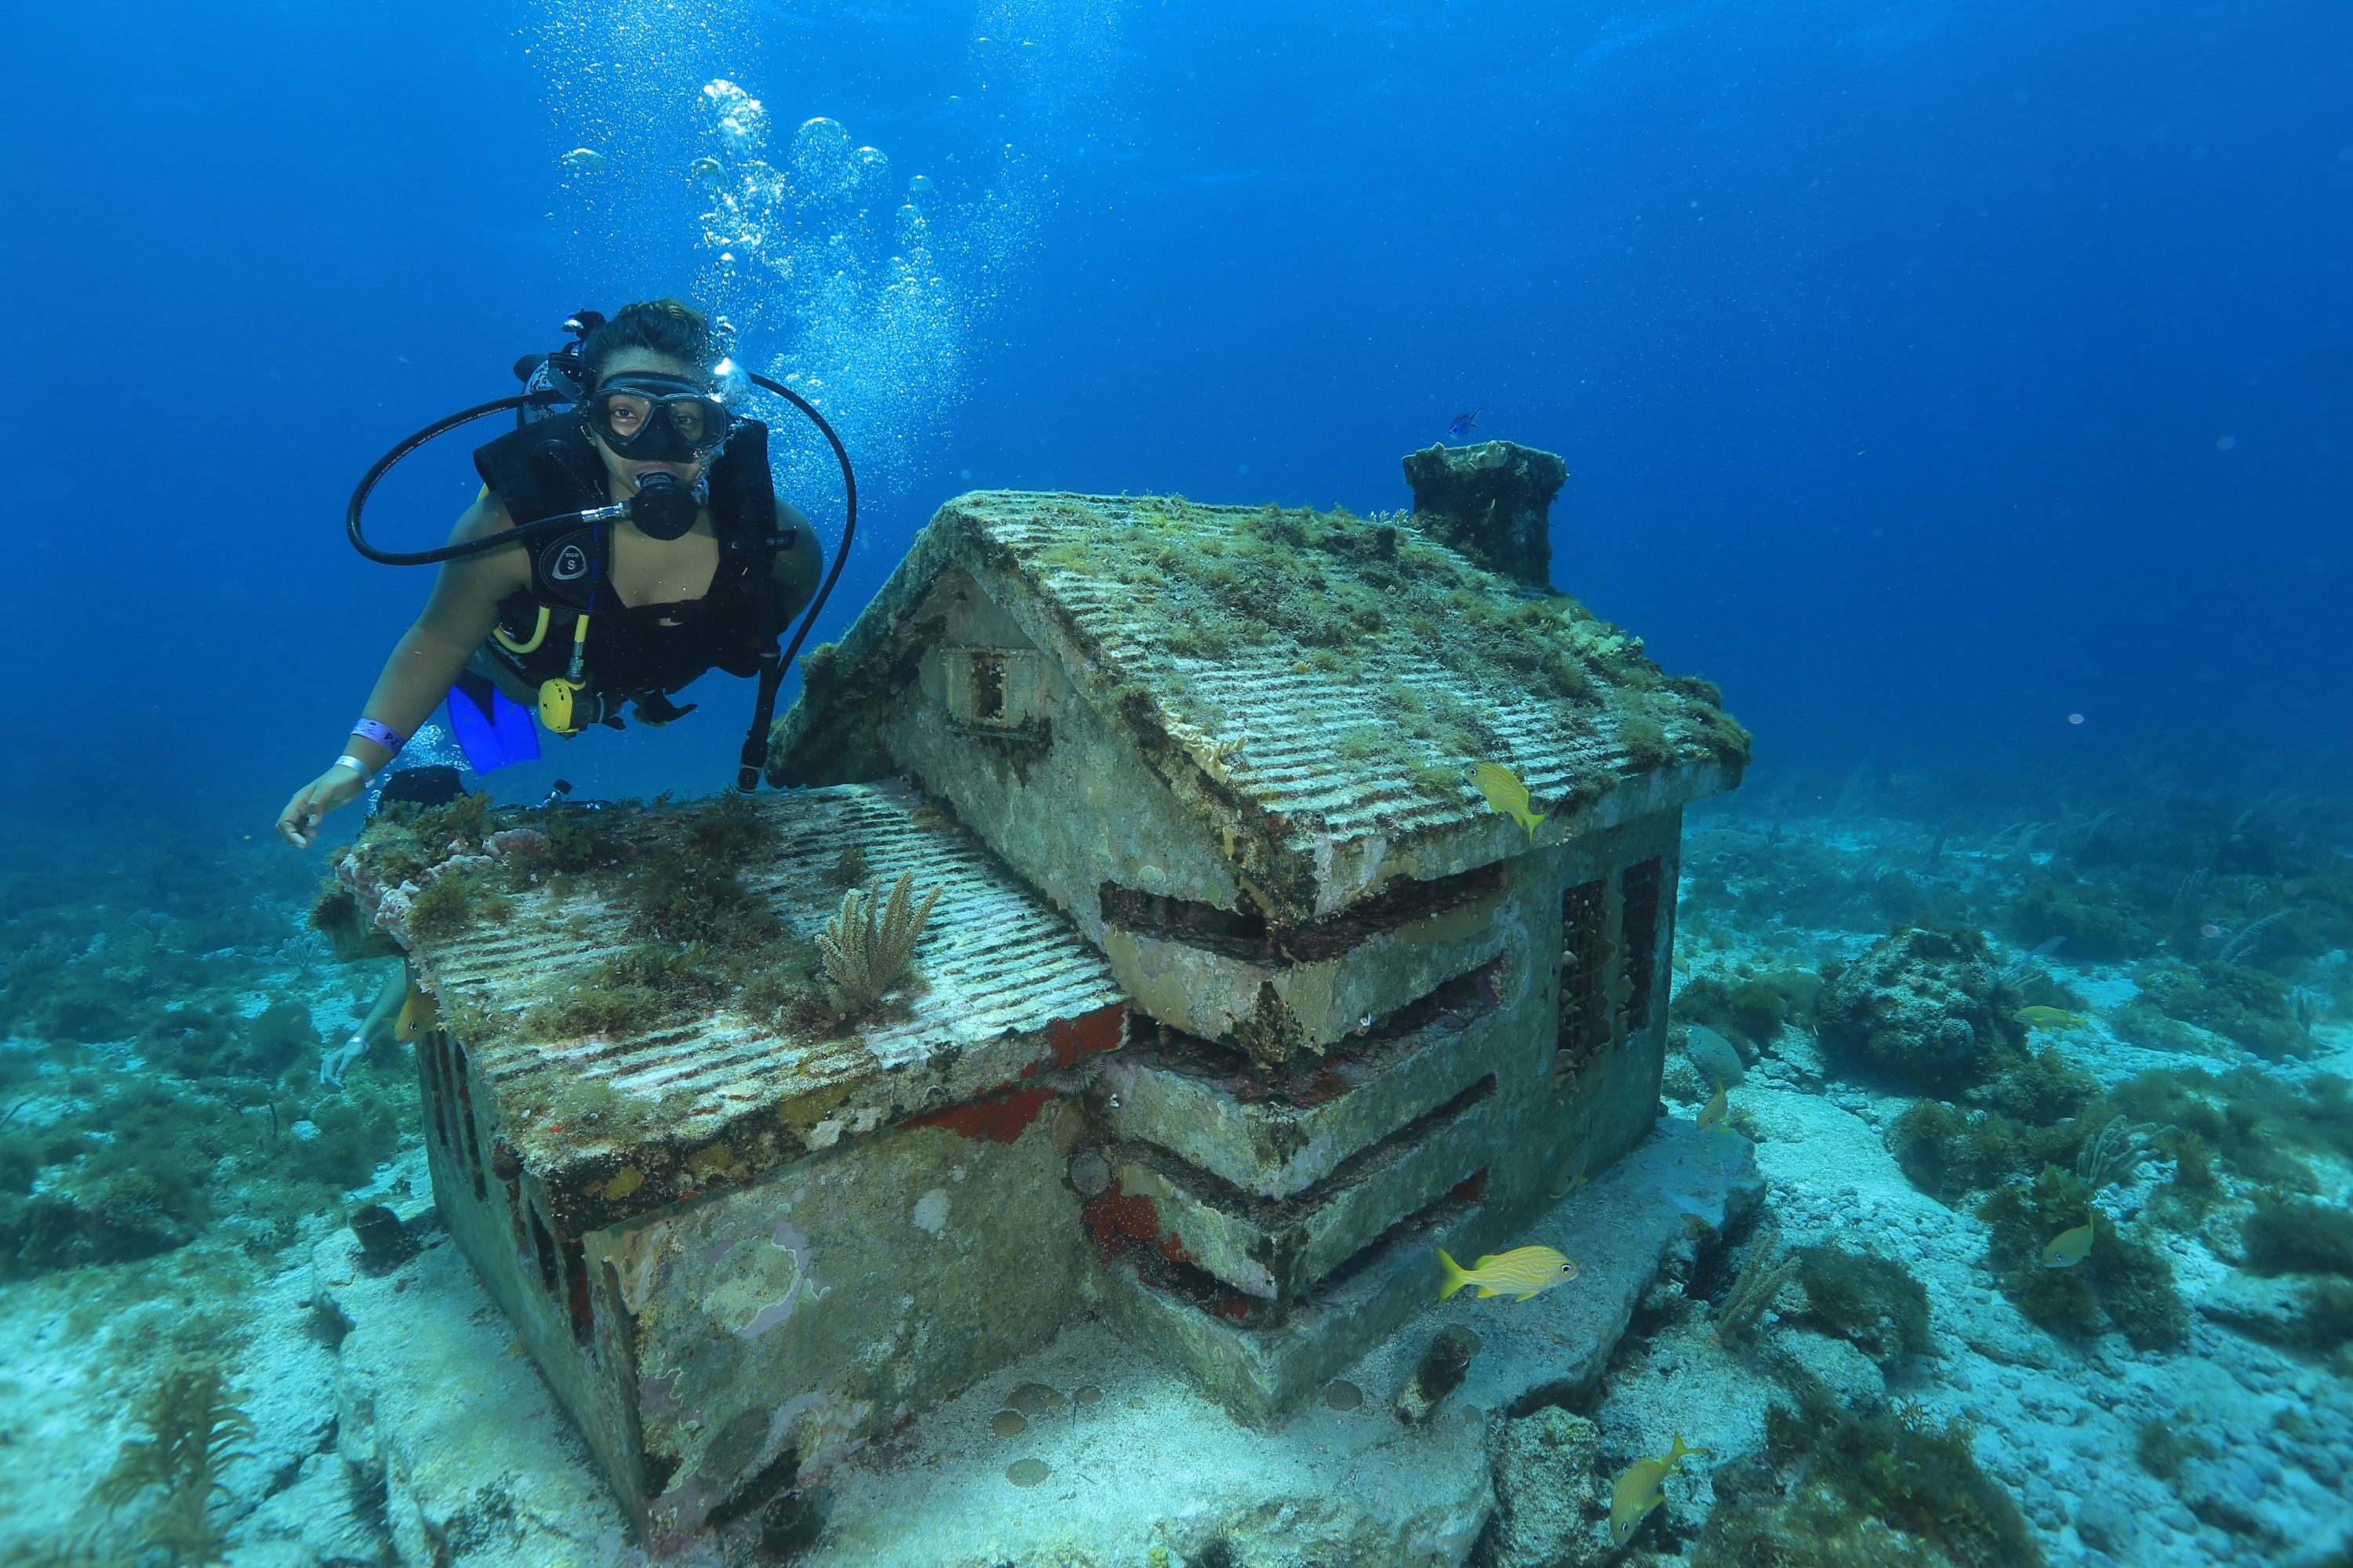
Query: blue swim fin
x: 493, y: 729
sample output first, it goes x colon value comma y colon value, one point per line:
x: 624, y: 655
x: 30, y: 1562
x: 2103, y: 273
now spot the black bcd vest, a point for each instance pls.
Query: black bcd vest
x: 553, y: 467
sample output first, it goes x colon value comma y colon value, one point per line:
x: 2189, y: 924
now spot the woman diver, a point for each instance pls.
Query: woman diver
x: 705, y: 567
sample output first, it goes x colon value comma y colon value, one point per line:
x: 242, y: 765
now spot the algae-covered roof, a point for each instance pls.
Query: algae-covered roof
x: 1305, y: 675
x: 637, y: 991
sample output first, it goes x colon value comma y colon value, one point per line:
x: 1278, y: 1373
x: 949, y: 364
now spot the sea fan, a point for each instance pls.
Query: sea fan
x: 1762, y: 1275
x: 865, y: 950
x: 189, y: 1433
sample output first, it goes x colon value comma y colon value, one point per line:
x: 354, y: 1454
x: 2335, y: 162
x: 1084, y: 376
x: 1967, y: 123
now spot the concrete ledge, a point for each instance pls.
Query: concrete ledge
x: 1211, y: 995
x: 1279, y: 1250
x: 1277, y: 1135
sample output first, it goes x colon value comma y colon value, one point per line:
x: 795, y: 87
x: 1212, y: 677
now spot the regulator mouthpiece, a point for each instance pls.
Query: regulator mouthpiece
x: 663, y: 508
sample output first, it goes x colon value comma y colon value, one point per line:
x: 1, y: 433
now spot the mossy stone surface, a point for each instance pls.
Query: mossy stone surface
x: 1919, y: 1008
x: 1294, y: 679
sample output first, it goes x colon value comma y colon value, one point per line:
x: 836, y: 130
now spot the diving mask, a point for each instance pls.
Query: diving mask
x: 651, y: 418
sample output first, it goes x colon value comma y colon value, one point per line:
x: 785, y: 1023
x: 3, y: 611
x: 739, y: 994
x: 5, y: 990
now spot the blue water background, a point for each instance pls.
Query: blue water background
x: 1928, y: 372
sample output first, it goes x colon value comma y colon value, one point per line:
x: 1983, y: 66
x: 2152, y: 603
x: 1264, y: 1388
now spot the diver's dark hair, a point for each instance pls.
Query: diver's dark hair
x: 671, y: 328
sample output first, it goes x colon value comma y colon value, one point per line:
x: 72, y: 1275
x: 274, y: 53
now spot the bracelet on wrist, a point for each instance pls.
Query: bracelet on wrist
x: 384, y: 734
x: 356, y: 765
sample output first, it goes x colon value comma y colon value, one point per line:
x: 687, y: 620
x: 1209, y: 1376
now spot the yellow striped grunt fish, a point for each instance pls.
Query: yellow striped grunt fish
x: 2050, y: 1018
x: 1713, y: 1113
x: 1507, y: 794
x: 1519, y: 1273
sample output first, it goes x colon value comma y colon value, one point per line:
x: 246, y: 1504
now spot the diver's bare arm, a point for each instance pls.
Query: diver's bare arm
x: 431, y: 653
x: 460, y: 613
x: 798, y: 569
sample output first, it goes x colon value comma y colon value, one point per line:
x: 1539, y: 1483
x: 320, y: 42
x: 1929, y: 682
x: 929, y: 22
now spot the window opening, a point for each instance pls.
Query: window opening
x: 466, y: 1121
x: 543, y: 1245
x: 1584, y: 959
x: 988, y: 687
x: 1639, y: 901
x: 432, y: 1056
x: 576, y: 1275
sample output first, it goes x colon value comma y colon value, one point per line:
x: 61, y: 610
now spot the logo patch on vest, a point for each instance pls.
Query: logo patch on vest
x: 570, y: 564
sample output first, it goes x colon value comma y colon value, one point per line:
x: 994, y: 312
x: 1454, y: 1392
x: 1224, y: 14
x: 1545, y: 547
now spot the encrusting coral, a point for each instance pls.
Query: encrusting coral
x: 1920, y: 1007
x: 866, y: 949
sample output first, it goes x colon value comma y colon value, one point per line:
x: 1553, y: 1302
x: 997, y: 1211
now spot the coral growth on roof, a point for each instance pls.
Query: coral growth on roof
x: 1305, y: 671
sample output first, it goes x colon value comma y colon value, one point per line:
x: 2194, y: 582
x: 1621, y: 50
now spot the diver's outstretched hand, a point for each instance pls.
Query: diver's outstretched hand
x: 298, y: 824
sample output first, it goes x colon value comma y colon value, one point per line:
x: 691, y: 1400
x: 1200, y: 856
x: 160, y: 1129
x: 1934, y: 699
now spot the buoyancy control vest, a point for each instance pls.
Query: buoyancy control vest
x: 637, y: 653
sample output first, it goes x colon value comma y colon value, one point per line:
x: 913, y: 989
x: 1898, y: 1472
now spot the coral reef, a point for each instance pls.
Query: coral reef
x: 1870, y: 1300
x: 2245, y: 1005
x: 1839, y: 1489
x: 1919, y: 1007
x: 2114, y: 1154
x: 2297, y: 1235
x: 2124, y: 1281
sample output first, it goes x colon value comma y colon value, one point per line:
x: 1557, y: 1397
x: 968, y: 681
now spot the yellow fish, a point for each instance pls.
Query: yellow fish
x: 2068, y: 1248
x: 1506, y: 794
x: 1713, y: 1113
x: 1519, y: 1273
x: 2050, y: 1018
x: 1642, y: 1487
x: 418, y: 1014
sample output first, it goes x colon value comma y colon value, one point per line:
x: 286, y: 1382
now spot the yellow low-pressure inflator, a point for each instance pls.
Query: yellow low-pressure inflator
x: 557, y: 698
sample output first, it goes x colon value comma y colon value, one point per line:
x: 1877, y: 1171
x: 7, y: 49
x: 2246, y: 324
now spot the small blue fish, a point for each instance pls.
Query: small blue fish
x: 1465, y: 423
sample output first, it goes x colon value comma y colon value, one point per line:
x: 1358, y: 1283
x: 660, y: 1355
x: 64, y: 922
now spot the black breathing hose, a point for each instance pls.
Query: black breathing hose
x: 773, y: 664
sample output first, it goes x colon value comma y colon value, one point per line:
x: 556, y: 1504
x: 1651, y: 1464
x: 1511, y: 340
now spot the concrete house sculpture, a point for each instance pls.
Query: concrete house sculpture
x: 1252, y: 980
x: 1237, y: 747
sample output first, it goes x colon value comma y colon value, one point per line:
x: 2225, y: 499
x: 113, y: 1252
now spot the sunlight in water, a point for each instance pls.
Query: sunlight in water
x: 861, y: 281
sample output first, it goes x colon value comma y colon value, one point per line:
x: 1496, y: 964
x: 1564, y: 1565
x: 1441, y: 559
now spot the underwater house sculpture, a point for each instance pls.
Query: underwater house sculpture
x: 1240, y: 999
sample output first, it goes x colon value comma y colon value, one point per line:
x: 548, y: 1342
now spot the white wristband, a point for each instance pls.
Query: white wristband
x: 356, y: 765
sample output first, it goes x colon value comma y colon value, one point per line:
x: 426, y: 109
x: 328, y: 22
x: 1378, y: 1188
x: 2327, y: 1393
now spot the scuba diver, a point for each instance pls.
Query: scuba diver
x: 649, y: 547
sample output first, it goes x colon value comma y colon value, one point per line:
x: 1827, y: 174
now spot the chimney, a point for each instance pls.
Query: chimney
x: 1492, y: 502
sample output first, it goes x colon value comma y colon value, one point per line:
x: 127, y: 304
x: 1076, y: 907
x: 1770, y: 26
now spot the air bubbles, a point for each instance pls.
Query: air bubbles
x: 824, y: 167
x: 585, y: 161
x: 872, y: 163
x: 705, y: 171
x: 743, y: 123
x: 734, y: 385
x: 920, y: 187
x: 2225, y: 443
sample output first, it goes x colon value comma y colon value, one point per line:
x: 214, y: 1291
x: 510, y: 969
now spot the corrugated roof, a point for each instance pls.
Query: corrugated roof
x: 1004, y: 981
x: 1319, y: 681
